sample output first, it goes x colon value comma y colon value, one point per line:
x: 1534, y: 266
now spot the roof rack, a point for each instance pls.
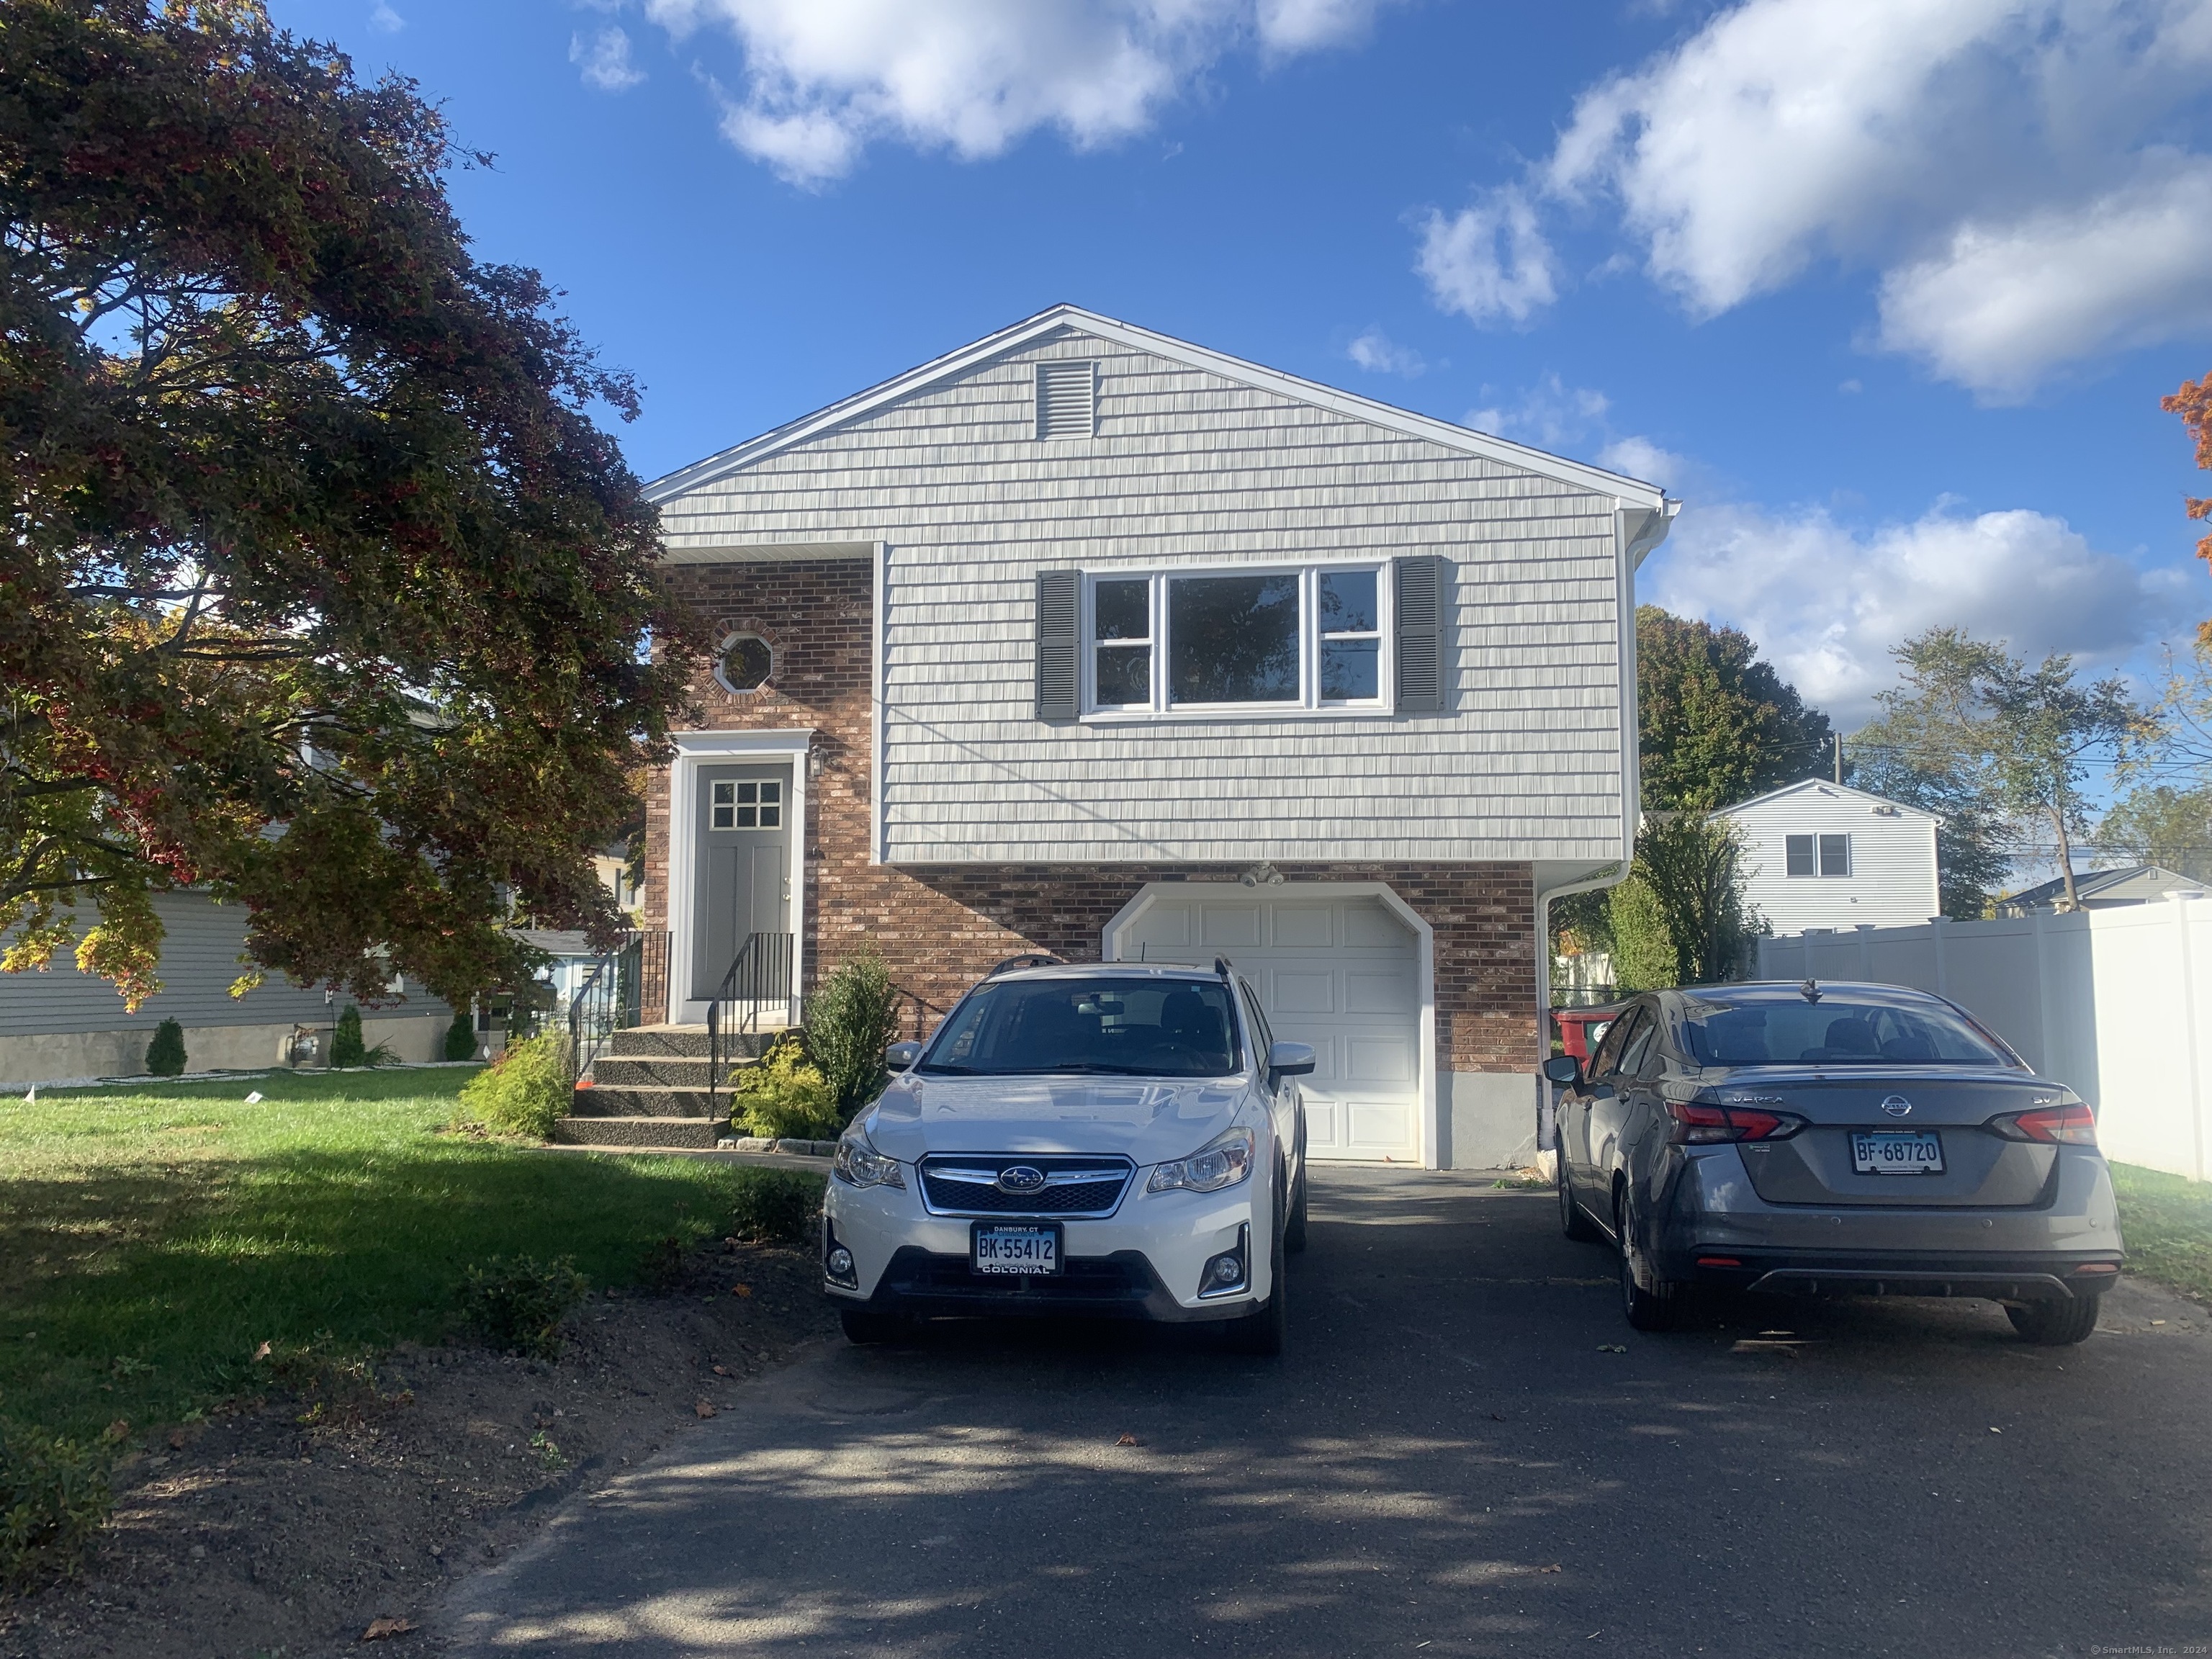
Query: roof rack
x: 1221, y: 967
x: 1028, y: 959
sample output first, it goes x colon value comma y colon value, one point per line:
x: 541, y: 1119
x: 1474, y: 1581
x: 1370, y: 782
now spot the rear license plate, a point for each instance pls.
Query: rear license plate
x: 1897, y: 1151
x: 1014, y: 1249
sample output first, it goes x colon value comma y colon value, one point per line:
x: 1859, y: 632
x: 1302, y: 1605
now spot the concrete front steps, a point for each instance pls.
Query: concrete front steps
x: 648, y: 1089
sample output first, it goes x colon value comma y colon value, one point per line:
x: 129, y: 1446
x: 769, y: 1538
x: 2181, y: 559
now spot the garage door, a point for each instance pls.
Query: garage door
x: 1338, y: 973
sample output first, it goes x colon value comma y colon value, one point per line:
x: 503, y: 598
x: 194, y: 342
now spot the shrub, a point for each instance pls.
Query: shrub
x: 461, y: 1037
x: 515, y: 1305
x: 784, y: 1094
x: 54, y: 1496
x: 165, y: 1054
x: 776, y: 1206
x: 525, y: 1091
x: 346, y: 1046
x: 853, y: 1016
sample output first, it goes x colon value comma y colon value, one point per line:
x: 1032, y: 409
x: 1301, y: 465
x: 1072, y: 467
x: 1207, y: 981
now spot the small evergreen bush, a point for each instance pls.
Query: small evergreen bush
x: 854, y: 1017
x: 165, y: 1054
x: 776, y: 1206
x: 515, y: 1305
x: 525, y: 1091
x: 347, y: 1048
x: 785, y: 1095
x: 54, y: 1497
x: 461, y: 1037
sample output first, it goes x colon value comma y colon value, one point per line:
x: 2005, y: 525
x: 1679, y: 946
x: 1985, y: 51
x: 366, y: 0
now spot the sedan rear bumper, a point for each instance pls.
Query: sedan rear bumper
x: 2036, y: 1278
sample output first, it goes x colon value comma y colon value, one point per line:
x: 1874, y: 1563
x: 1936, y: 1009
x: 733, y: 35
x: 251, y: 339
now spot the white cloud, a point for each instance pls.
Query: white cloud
x: 1639, y: 457
x: 1549, y: 415
x: 1489, y: 262
x: 1378, y: 353
x: 825, y: 78
x: 1988, y: 156
x: 1825, y: 602
x: 385, y: 21
x: 2003, y: 305
x: 604, y: 60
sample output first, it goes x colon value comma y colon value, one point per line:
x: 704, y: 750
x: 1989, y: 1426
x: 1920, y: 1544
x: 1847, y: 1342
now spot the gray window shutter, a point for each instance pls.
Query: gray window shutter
x: 1055, y: 644
x: 1424, y: 595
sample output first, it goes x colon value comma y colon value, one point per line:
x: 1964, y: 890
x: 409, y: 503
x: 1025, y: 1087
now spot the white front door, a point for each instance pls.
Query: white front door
x: 1339, y: 972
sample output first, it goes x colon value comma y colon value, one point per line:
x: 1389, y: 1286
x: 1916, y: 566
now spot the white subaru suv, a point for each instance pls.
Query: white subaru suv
x: 1105, y: 1139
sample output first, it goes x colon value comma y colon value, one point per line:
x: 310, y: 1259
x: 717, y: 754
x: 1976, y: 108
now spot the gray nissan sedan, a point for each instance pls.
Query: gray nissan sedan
x: 1832, y: 1138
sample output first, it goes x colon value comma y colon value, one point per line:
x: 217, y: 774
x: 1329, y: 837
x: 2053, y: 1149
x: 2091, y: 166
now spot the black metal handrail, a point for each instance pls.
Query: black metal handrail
x: 760, y: 975
x: 609, y: 1000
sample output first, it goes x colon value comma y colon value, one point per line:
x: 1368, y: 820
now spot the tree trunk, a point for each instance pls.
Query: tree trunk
x: 2065, y: 857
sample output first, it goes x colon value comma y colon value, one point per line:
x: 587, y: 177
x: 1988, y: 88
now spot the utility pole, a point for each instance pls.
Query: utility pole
x: 1839, y: 758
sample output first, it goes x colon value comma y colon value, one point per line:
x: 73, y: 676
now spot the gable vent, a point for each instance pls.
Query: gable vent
x: 1067, y: 400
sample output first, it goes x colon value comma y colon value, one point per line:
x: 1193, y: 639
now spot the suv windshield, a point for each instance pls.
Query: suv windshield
x: 1832, y: 1032
x: 1121, y: 1027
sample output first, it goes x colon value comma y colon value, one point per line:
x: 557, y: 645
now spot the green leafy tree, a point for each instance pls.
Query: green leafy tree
x: 325, y: 592
x: 1715, y: 725
x: 1679, y: 918
x: 2161, y: 824
x: 2013, y: 742
x: 461, y: 1037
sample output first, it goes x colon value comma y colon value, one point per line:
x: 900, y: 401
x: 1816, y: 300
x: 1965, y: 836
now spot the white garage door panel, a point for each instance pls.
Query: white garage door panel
x: 1340, y: 974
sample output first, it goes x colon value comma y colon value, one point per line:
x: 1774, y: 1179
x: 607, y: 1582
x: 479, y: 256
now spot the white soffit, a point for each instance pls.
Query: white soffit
x: 1632, y: 492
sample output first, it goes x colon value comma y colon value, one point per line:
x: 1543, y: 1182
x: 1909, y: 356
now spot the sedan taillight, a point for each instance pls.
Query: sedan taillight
x: 1697, y: 1123
x: 2073, y: 1125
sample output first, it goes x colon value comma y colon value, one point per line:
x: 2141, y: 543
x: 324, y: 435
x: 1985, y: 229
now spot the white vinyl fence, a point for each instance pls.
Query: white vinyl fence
x: 2115, y: 1004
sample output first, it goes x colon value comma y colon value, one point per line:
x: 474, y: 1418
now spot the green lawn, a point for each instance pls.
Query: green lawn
x: 2166, y: 1222
x: 152, y: 1237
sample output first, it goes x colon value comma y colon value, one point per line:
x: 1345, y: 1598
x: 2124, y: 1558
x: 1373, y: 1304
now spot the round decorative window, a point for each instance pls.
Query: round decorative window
x: 745, y: 663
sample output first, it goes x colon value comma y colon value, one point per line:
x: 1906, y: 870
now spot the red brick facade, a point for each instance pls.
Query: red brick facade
x: 939, y: 926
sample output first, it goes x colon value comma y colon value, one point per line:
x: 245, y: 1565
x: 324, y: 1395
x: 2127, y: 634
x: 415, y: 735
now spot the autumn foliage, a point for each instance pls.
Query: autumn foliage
x: 324, y: 592
x: 2193, y: 403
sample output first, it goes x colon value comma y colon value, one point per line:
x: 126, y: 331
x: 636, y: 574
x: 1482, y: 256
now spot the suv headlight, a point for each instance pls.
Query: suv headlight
x: 1223, y: 1162
x: 858, y: 1164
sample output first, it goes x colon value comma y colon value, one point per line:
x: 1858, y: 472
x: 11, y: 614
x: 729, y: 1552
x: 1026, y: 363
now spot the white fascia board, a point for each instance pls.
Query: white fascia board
x: 1833, y: 787
x: 1632, y: 493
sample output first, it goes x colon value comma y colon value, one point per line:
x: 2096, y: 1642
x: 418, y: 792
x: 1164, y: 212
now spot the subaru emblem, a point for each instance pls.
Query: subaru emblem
x: 1020, y: 1179
x: 1897, y: 1106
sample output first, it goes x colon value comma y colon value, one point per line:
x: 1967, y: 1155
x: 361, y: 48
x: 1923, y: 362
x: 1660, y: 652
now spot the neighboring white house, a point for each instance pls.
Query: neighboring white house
x: 1820, y: 854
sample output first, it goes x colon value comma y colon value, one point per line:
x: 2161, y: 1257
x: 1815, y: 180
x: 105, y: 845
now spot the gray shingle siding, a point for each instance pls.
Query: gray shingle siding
x: 1188, y: 467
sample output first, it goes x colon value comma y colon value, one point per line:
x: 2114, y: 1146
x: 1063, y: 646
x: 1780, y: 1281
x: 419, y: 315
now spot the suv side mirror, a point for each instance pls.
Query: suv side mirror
x: 1289, y: 1059
x: 900, y: 1056
x: 1563, y: 1069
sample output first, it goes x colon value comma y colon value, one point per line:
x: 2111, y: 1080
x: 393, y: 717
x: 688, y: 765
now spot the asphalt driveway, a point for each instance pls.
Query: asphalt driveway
x: 1453, y: 1460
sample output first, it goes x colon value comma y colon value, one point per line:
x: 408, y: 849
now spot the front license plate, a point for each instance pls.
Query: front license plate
x: 1897, y: 1151
x: 1024, y: 1249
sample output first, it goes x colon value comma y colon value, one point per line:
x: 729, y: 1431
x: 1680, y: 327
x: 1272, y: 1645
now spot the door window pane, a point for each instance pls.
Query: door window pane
x: 1233, y: 639
x: 1835, y: 855
x: 1799, y: 851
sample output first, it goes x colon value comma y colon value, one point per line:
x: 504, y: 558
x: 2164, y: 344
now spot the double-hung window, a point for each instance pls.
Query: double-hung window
x: 1236, y: 640
x: 1817, y: 856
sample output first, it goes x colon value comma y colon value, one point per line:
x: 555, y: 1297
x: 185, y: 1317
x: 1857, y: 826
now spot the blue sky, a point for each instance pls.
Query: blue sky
x: 1886, y: 290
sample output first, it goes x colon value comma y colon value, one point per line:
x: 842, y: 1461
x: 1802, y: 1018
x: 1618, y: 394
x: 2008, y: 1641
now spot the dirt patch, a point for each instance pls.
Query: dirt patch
x: 288, y: 1526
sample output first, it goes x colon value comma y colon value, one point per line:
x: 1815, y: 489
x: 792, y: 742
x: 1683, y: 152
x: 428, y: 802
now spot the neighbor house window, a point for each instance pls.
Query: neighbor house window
x: 746, y: 805
x: 1818, y: 855
x: 1237, y: 639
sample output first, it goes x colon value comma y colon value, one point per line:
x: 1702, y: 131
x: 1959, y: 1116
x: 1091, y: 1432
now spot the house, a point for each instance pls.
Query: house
x: 1085, y: 640
x: 1820, y: 854
x: 63, y: 1024
x: 2100, y: 890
